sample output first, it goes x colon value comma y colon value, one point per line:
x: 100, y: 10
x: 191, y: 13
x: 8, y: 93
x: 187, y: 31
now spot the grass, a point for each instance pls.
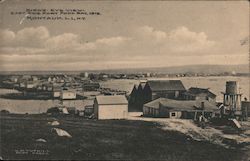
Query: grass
x: 103, y: 139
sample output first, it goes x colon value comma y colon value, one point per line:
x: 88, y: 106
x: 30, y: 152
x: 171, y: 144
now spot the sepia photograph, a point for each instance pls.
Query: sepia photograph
x: 125, y: 80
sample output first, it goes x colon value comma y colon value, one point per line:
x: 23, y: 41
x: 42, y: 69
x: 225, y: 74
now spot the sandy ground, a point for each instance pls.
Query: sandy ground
x: 188, y: 128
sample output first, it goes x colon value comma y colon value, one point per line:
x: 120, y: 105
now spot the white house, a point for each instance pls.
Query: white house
x: 30, y: 85
x: 56, y: 91
x: 68, y: 95
x: 111, y: 107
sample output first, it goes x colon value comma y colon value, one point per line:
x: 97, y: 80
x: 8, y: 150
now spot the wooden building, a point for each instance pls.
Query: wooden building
x: 186, y: 109
x: 132, y: 98
x: 56, y: 91
x: 91, y: 86
x: 154, y: 89
x: 111, y: 107
x: 245, y: 106
x: 68, y: 95
x: 88, y: 110
x: 195, y: 93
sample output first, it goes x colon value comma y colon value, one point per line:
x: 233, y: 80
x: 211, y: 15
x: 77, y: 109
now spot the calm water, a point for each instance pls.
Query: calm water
x: 216, y: 85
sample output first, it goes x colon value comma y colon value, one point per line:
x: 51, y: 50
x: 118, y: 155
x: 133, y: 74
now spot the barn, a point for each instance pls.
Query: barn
x: 111, y: 107
x: 172, y: 89
x: 153, y: 89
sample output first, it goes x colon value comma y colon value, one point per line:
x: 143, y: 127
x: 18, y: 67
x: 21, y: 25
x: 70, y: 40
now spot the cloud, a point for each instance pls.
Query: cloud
x: 145, y: 46
x: 144, y: 41
x: 113, y: 41
x: 27, y: 37
x: 32, y: 37
x: 180, y: 41
x: 23, y: 51
x: 66, y: 40
x: 184, y: 40
x: 151, y: 34
x: 6, y: 36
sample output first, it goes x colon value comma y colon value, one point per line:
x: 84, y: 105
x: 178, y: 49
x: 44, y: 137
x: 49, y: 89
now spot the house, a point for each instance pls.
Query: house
x: 186, y: 109
x: 153, y: 89
x: 56, y: 91
x: 30, y: 85
x: 34, y: 78
x: 22, y: 84
x: 68, y: 94
x: 88, y: 110
x: 49, y: 87
x: 26, y: 77
x: 195, y: 93
x: 14, y: 79
x: 92, y: 86
x: 111, y: 107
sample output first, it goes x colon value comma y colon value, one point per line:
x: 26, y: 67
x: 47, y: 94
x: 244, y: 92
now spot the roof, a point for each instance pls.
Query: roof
x: 141, y: 85
x: 56, y: 88
x: 181, y: 105
x: 134, y: 90
x: 111, y: 100
x: 68, y: 91
x: 136, y: 86
x: 200, y: 91
x: 166, y: 85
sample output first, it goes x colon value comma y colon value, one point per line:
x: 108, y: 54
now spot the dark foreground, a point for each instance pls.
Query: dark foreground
x: 105, y: 140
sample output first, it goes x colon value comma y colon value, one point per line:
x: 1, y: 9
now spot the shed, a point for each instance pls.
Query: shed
x: 111, y: 107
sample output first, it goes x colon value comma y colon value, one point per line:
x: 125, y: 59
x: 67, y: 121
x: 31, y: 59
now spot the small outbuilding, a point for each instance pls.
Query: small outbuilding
x: 111, y: 107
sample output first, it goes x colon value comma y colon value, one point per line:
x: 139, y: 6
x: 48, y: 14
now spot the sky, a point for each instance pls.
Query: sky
x: 126, y: 34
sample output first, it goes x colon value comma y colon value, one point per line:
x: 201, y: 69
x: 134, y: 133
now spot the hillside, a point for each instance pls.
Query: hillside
x: 106, y: 140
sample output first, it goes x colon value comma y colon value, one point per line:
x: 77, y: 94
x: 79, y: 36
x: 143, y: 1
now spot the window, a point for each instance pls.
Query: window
x: 177, y: 94
x: 173, y: 114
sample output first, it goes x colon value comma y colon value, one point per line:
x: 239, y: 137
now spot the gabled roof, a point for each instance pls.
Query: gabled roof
x: 141, y: 85
x: 111, y: 100
x: 181, y: 105
x: 135, y: 87
x: 134, y: 90
x: 166, y: 85
x: 200, y: 91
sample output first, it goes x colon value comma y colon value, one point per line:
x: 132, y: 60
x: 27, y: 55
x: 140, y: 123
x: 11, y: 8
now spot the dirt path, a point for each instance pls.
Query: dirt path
x: 188, y: 128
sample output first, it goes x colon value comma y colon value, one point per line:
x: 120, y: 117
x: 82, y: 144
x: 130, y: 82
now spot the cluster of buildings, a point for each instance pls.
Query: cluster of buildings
x: 169, y: 98
x: 54, y: 86
x: 155, y: 98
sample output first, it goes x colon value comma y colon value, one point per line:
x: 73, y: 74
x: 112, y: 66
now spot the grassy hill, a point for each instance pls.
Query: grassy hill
x: 106, y: 140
